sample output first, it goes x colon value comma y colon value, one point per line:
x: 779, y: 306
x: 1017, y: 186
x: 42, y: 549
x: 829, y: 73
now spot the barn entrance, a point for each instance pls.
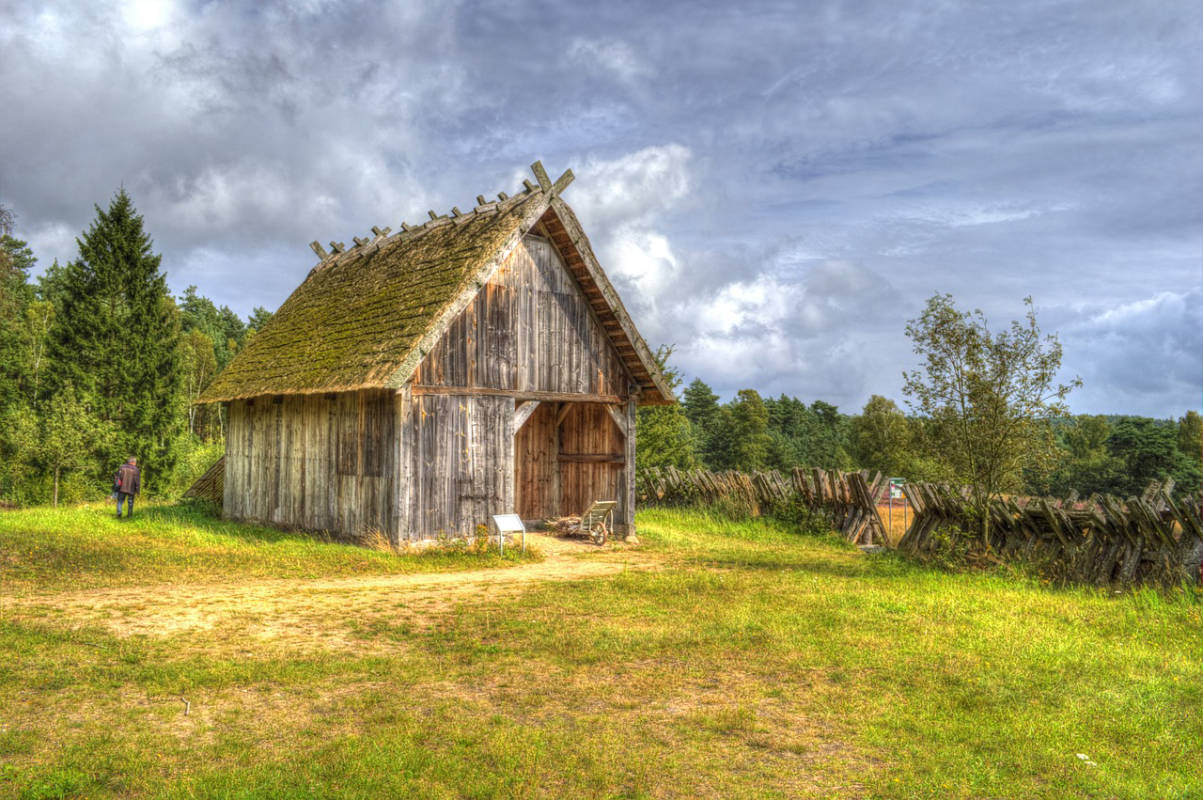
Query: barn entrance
x: 567, y: 455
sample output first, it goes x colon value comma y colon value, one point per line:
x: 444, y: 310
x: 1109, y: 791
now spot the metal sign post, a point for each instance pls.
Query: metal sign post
x: 895, y: 494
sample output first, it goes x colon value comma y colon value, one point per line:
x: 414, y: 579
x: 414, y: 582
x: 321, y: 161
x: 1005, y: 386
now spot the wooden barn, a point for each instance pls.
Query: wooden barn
x: 417, y: 383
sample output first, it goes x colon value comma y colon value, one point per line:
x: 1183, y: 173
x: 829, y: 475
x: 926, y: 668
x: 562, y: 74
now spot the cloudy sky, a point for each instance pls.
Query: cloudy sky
x: 775, y: 188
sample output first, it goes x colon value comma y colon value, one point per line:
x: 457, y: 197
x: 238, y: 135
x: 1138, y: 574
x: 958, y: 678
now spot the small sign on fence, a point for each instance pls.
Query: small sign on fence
x: 896, y: 488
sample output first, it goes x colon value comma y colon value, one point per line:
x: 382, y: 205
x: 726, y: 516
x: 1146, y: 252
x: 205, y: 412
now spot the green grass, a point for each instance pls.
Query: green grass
x: 754, y: 663
x: 86, y: 547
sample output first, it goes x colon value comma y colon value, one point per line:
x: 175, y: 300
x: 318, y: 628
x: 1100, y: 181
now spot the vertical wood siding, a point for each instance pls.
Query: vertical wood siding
x: 313, y: 462
x: 457, y: 464
x: 588, y: 431
x: 536, y: 472
x: 529, y: 329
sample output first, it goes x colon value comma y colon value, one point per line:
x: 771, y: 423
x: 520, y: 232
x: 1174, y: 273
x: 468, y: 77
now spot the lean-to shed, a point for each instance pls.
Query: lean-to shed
x: 417, y: 383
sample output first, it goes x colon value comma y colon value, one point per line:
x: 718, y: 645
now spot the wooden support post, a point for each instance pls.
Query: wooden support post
x: 628, y: 510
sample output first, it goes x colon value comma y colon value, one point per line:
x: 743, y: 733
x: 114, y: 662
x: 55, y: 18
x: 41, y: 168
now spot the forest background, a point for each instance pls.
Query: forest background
x: 99, y: 362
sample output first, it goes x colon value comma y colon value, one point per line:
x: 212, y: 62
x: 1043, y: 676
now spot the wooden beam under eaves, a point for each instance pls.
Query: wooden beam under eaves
x: 619, y: 418
x: 523, y: 413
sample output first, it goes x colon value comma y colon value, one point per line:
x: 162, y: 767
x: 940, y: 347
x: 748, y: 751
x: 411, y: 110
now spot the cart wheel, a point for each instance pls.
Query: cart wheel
x: 598, y: 533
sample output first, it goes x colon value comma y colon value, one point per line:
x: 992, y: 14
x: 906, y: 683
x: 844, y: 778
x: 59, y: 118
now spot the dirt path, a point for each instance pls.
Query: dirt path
x: 317, y: 612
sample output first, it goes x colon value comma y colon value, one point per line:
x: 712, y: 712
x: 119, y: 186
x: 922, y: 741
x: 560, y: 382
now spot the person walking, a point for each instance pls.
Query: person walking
x: 127, y: 482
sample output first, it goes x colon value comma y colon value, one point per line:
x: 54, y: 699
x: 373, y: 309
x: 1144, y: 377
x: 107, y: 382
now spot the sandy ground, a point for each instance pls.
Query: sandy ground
x: 299, y: 611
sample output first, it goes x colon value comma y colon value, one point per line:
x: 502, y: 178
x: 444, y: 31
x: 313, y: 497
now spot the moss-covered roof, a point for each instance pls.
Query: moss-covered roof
x: 365, y: 316
x: 353, y: 322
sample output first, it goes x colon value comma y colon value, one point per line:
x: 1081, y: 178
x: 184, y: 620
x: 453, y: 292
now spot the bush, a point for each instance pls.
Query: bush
x: 195, y: 458
x: 796, y: 513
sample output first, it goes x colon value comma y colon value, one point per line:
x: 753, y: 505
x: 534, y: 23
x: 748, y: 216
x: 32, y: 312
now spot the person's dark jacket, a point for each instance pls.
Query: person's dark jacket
x: 129, y: 479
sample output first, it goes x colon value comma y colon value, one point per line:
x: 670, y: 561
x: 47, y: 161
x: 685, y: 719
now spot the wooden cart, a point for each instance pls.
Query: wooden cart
x: 596, y: 522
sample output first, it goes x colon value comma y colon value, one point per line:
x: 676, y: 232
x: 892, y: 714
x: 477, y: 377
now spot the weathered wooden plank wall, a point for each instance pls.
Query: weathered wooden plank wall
x: 591, y: 460
x: 457, y: 455
x: 530, y: 329
x: 315, y: 462
x: 536, y: 472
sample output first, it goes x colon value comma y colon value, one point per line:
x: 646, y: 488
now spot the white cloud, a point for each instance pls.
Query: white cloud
x: 961, y: 215
x: 145, y: 15
x: 623, y: 202
x: 632, y: 188
x: 643, y: 259
x: 806, y: 335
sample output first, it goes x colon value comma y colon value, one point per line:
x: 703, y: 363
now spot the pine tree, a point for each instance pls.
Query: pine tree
x: 750, y: 441
x: 115, y: 339
x: 705, y: 417
x: 259, y: 317
x: 15, y: 295
x: 18, y: 424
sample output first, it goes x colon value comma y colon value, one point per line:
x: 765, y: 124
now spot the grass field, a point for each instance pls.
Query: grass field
x: 719, y: 659
x: 896, y: 518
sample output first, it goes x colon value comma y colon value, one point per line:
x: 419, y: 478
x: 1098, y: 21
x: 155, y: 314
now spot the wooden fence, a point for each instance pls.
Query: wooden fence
x: 847, y: 498
x: 1151, y: 539
x: 211, y: 485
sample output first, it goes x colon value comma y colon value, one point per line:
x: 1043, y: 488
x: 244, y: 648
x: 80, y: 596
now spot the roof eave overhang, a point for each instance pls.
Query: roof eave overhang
x: 570, y: 240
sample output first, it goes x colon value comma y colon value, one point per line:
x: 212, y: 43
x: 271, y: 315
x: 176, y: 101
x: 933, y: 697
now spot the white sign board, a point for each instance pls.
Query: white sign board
x: 509, y: 523
x: 896, y: 488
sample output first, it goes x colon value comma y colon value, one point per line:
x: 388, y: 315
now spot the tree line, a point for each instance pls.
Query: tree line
x: 99, y: 362
x: 1085, y: 453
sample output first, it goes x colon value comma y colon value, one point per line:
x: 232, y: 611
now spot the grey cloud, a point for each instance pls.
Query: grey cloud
x: 724, y: 152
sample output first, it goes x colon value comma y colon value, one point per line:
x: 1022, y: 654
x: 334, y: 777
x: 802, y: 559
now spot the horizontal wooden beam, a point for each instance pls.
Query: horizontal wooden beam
x: 591, y: 458
x: 552, y: 397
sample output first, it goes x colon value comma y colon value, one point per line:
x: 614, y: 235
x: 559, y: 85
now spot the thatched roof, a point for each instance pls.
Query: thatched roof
x: 366, y: 316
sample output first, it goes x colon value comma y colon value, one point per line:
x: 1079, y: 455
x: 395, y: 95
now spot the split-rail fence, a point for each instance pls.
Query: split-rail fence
x: 1155, y: 538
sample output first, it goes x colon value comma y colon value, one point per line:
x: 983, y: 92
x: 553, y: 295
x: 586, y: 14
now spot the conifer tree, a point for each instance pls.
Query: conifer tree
x: 749, y: 423
x: 16, y: 259
x: 702, y: 410
x: 115, y: 339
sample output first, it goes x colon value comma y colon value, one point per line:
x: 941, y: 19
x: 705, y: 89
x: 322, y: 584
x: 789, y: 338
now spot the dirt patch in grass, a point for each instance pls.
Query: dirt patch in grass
x: 309, y: 613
